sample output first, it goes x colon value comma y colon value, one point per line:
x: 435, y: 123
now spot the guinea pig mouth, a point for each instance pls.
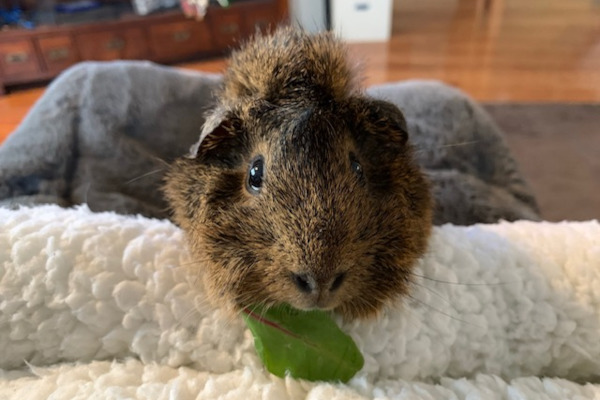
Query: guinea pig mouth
x: 312, y: 307
x: 316, y: 302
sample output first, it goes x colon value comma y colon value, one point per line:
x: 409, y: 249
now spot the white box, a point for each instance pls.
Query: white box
x: 362, y: 20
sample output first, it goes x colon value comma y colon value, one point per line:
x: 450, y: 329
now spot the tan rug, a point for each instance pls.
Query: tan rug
x: 558, y: 148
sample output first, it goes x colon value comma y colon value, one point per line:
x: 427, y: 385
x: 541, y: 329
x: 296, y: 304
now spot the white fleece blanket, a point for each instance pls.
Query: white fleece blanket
x: 99, y: 305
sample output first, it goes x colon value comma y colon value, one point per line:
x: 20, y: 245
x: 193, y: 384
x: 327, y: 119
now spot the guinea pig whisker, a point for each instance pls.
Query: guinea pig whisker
x: 200, y: 301
x: 196, y: 280
x: 144, y: 175
x: 263, y: 310
x: 148, y: 153
x: 445, y: 300
x: 192, y: 277
x: 160, y: 160
x: 165, y: 209
x: 444, y: 146
x: 462, y: 283
x: 193, y: 311
x: 259, y: 309
x: 444, y: 313
x: 189, y: 264
x: 466, y: 143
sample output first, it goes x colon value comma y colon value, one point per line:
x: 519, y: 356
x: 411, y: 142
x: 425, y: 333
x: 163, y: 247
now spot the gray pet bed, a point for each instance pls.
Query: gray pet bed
x: 104, y: 133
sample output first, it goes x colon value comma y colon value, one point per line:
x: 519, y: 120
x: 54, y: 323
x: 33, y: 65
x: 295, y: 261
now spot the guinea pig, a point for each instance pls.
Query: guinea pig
x: 302, y: 189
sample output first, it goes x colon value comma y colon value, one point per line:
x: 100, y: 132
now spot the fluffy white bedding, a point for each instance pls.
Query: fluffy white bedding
x: 100, y: 306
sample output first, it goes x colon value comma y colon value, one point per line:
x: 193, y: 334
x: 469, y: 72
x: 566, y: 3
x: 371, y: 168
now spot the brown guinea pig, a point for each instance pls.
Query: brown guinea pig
x: 301, y: 190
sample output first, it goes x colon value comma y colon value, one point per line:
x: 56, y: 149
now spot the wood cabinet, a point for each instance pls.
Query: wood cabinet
x: 18, y: 58
x: 167, y: 37
x: 57, y: 52
x: 106, y: 45
x: 176, y: 40
x: 226, y: 26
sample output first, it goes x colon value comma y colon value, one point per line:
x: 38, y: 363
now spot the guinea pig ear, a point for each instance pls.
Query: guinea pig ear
x: 219, y: 135
x: 383, y: 122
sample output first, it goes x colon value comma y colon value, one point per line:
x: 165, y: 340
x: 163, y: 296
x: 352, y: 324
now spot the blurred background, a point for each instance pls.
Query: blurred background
x: 534, y: 64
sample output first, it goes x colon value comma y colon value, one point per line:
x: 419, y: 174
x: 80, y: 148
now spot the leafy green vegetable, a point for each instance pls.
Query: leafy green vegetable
x: 305, y: 344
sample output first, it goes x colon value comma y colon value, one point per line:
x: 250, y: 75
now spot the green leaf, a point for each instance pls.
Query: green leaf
x: 304, y: 344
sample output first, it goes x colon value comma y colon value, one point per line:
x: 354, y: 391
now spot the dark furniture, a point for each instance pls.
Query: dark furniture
x: 165, y: 37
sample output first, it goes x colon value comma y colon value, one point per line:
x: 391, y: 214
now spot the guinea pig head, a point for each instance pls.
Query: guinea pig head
x: 320, y: 206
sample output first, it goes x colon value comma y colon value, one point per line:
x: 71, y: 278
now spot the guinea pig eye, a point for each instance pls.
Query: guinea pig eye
x: 255, y: 175
x: 356, y: 167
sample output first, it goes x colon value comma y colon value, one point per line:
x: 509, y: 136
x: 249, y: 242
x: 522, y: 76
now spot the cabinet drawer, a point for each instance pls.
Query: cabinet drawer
x: 58, y: 52
x: 262, y: 18
x: 113, y: 45
x: 18, y: 58
x: 179, y: 39
x: 227, y: 27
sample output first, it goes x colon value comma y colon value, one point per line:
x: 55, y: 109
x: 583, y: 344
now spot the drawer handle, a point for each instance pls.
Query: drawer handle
x: 58, y: 54
x: 230, y: 29
x: 115, y: 44
x: 16, y: 58
x: 181, y: 36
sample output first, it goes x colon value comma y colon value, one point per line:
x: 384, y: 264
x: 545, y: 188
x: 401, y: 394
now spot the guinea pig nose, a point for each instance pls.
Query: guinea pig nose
x: 304, y: 282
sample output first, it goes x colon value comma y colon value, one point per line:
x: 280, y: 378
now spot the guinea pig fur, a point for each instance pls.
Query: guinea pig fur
x: 302, y: 189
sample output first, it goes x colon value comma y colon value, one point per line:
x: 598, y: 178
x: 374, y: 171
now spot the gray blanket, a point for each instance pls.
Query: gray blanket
x: 104, y: 134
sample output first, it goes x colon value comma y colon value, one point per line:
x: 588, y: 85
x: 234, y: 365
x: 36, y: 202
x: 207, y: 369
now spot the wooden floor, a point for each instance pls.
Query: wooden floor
x: 496, y: 50
x: 511, y: 50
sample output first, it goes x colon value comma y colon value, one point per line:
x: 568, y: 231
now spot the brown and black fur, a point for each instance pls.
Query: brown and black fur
x: 292, y: 99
